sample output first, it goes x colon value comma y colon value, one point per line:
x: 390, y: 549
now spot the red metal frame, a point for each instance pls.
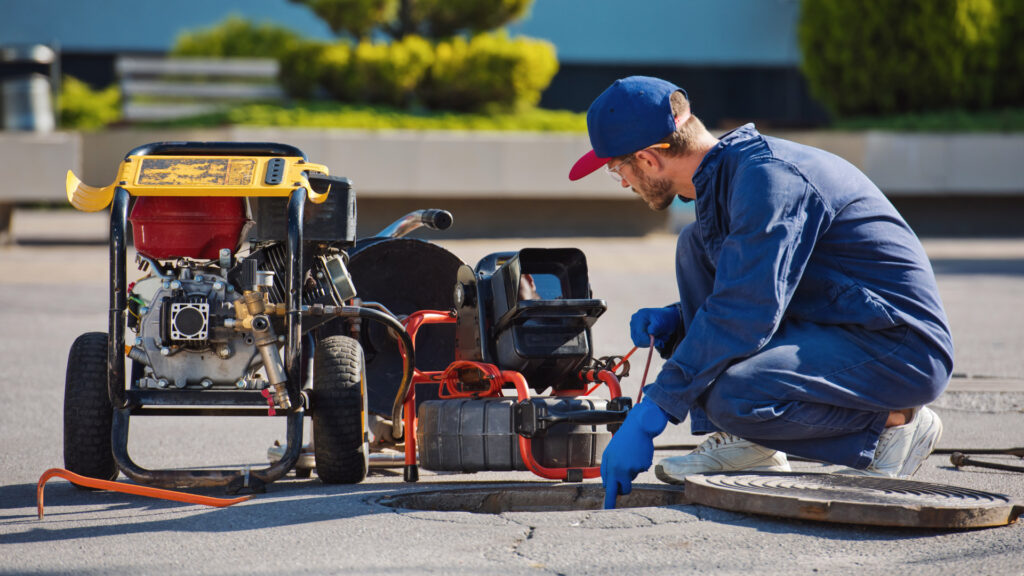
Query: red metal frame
x: 446, y: 382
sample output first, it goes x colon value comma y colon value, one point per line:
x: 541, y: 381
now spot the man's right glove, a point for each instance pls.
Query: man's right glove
x: 631, y: 450
x: 662, y: 323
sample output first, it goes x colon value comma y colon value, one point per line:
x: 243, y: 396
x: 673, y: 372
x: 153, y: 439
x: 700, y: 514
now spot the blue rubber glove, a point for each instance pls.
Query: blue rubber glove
x: 662, y: 323
x: 631, y: 450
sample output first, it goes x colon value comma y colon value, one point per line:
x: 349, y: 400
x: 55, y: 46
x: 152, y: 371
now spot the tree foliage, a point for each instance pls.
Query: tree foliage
x: 443, y: 18
x: 237, y: 37
x: 887, y: 56
x: 428, y: 18
x: 357, y: 18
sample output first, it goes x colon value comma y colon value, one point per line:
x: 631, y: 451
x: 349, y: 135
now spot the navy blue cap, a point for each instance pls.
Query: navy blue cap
x: 630, y: 115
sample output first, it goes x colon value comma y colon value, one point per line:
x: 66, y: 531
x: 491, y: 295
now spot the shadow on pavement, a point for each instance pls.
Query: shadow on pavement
x: 116, y: 514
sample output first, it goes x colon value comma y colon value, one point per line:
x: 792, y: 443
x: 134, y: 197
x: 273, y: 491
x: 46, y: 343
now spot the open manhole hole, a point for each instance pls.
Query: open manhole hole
x: 556, y: 498
x: 822, y: 497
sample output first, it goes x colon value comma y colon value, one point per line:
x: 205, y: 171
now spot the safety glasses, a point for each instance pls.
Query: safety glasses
x: 613, y: 171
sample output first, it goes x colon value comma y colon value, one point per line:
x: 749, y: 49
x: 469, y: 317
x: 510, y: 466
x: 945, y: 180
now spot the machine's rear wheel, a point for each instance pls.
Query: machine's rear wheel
x: 88, y: 414
x: 339, y: 411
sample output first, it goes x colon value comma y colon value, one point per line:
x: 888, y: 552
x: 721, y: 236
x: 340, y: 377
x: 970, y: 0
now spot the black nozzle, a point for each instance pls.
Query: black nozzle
x: 436, y: 219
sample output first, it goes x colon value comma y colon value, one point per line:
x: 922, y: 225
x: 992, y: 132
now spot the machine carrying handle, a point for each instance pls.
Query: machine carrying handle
x: 216, y: 149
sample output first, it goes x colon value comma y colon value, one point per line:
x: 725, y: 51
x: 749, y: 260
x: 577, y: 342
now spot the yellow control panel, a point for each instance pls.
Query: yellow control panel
x: 200, y: 176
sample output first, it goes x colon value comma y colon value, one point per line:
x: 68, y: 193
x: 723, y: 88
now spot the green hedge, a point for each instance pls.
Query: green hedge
x: 876, y: 57
x: 363, y: 117
x: 489, y: 71
x: 375, y: 72
x: 389, y: 73
x: 301, y: 69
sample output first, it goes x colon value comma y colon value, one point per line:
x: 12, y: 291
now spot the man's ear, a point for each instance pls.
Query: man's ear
x: 650, y: 158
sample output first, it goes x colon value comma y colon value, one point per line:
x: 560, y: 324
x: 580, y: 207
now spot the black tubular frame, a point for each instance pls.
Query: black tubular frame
x: 128, y: 402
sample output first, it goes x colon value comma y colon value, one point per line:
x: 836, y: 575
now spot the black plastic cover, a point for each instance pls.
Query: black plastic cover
x: 333, y: 221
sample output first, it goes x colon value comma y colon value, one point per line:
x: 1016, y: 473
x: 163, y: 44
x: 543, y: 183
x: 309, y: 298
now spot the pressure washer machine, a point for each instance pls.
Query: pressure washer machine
x: 242, y: 251
x: 518, y: 394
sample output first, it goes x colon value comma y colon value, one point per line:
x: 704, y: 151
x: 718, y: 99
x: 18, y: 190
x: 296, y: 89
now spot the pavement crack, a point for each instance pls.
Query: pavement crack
x: 530, y: 531
x: 652, y: 521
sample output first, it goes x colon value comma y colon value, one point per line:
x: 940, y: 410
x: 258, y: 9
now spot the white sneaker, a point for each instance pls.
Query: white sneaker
x: 721, y: 452
x: 902, y: 449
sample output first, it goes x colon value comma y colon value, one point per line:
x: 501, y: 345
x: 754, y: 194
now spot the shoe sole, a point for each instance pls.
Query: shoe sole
x: 665, y: 477
x: 924, y: 444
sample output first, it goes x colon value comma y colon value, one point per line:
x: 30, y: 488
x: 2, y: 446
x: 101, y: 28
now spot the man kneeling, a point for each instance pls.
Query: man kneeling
x: 808, y: 320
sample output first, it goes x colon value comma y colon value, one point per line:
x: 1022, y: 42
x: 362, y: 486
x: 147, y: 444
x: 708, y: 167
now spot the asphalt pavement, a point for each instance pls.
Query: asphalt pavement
x: 53, y: 288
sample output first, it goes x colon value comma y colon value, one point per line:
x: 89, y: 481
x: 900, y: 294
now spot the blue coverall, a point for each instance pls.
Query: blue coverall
x: 809, y: 308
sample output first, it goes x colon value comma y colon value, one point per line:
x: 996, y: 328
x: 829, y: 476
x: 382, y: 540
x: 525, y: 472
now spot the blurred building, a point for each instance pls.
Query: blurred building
x: 738, y: 59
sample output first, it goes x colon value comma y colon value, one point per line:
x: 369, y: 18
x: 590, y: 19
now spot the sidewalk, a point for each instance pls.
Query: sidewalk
x: 56, y: 290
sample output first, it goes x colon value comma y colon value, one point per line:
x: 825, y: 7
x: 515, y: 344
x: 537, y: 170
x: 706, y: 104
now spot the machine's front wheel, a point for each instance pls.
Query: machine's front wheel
x: 88, y: 414
x: 339, y: 411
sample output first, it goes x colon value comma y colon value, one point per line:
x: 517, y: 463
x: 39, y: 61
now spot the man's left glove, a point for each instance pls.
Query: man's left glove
x: 631, y: 450
x: 665, y: 324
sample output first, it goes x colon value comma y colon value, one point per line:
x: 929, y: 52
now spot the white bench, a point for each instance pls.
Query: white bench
x: 154, y: 88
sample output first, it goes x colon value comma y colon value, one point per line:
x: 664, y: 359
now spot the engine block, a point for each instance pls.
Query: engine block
x: 184, y: 338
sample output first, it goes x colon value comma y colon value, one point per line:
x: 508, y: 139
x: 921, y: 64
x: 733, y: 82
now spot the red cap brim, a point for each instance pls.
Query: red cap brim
x: 586, y: 165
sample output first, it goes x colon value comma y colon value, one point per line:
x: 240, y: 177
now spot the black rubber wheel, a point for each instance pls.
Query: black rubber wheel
x: 88, y: 414
x: 339, y: 411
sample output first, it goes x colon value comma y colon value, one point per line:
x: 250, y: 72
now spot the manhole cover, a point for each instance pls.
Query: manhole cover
x: 853, y: 500
x: 546, y: 498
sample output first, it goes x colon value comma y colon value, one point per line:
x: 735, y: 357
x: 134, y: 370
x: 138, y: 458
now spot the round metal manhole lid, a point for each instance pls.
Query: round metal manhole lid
x: 852, y: 499
x: 543, y: 498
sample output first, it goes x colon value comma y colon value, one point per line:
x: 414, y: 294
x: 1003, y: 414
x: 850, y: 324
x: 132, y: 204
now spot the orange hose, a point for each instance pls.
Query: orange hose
x: 130, y: 489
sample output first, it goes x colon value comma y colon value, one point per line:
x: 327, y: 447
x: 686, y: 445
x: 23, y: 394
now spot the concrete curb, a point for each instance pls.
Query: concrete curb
x: 521, y: 176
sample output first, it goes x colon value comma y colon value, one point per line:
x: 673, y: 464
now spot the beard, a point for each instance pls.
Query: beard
x: 657, y: 194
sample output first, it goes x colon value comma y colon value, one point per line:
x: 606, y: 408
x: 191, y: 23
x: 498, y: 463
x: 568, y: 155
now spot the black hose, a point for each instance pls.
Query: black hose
x: 409, y: 364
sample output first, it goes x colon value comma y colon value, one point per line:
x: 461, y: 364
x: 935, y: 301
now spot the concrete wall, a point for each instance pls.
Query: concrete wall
x: 34, y: 165
x: 501, y: 184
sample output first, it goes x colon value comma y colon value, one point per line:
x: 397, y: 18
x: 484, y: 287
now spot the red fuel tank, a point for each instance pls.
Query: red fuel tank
x: 187, y: 227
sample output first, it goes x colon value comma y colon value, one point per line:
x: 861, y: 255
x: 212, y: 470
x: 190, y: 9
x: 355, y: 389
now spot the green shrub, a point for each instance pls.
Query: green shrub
x: 237, y: 37
x: 883, y: 57
x: 301, y: 69
x: 489, y: 71
x: 388, y: 73
x: 336, y: 71
x: 79, y: 107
